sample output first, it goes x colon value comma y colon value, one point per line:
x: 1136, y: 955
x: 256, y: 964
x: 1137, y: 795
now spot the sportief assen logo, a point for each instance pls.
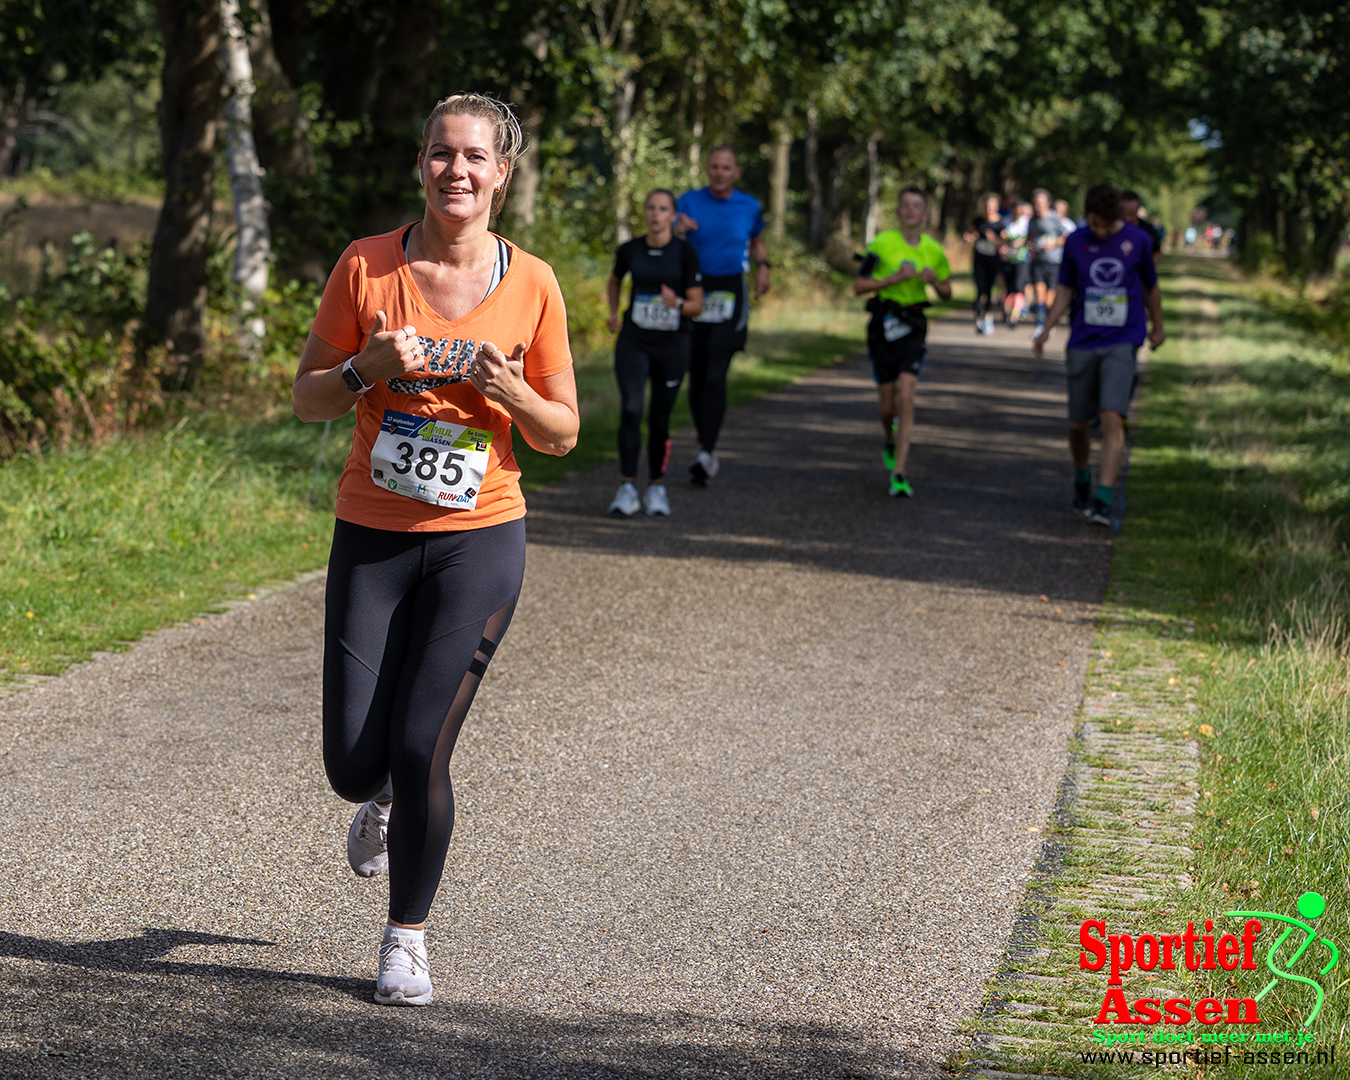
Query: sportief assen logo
x: 1208, y: 952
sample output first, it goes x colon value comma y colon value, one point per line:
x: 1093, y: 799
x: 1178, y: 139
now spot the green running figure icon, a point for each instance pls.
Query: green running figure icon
x: 1310, y: 906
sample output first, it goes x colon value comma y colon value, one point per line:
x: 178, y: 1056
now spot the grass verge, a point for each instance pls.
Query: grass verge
x: 1226, y: 636
x: 104, y: 544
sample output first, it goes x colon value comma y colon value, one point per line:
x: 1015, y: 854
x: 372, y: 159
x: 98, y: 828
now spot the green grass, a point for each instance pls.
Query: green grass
x: 1227, y: 628
x: 104, y: 544
x: 1239, y: 488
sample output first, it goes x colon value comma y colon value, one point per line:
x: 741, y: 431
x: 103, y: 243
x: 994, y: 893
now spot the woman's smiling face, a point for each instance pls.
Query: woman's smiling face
x: 460, y: 169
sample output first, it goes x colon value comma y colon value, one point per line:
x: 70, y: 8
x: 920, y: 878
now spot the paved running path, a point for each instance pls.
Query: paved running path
x: 751, y: 792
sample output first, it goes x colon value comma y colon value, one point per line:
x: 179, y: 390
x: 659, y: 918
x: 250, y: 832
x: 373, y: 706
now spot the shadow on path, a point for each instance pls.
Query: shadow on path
x: 187, y: 1018
x: 802, y: 481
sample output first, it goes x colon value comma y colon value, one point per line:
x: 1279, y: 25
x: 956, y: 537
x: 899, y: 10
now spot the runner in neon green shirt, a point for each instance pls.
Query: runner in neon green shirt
x: 899, y: 267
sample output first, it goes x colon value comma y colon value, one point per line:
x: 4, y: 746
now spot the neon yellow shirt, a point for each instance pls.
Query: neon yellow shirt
x: 891, y: 250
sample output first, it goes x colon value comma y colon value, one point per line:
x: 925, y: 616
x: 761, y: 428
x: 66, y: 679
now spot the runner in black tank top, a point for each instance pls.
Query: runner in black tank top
x: 653, y: 344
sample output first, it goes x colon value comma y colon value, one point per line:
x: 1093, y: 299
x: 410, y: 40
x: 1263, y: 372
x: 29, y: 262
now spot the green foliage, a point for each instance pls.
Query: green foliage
x: 66, y: 350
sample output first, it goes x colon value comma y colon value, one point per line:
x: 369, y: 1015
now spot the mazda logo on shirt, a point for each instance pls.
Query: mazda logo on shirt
x: 1106, y: 272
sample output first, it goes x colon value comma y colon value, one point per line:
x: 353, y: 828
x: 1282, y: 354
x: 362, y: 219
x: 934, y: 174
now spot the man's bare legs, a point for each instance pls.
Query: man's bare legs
x: 896, y: 412
x: 1110, y: 457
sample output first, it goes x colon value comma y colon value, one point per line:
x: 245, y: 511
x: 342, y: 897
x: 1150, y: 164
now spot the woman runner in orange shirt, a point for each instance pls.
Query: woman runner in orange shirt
x: 442, y: 335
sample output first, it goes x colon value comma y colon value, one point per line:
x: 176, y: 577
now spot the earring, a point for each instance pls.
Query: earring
x: 419, y: 177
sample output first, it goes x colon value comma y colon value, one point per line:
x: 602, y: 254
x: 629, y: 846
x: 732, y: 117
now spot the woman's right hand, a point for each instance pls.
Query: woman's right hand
x: 613, y: 322
x: 389, y: 354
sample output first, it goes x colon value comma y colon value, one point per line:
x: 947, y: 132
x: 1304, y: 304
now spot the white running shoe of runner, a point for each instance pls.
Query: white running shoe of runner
x: 405, y: 971
x: 626, y: 501
x: 704, y: 468
x: 656, y: 500
x: 366, y: 840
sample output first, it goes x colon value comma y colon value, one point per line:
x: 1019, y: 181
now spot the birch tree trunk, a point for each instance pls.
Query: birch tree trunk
x: 873, y: 188
x: 696, y: 129
x: 189, y: 122
x: 778, y: 177
x: 253, y: 246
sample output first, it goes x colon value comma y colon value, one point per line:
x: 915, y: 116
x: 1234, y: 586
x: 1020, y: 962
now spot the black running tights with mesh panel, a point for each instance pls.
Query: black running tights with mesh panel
x: 412, y: 621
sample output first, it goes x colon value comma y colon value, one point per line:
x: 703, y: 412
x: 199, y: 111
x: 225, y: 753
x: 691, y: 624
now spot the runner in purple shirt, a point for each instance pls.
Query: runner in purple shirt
x: 1108, y: 278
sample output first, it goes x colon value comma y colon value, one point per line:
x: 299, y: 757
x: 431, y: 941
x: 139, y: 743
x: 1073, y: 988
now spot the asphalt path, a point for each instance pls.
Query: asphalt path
x: 749, y: 792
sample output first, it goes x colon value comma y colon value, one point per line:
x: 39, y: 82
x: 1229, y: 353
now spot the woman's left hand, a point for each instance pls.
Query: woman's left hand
x: 670, y: 297
x: 499, y: 377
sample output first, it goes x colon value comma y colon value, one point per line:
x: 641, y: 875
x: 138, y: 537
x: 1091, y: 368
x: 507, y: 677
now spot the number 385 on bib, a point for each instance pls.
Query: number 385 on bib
x: 429, y: 460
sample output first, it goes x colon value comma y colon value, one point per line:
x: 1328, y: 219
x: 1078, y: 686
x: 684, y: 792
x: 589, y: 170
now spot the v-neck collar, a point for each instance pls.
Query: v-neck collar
x: 405, y: 268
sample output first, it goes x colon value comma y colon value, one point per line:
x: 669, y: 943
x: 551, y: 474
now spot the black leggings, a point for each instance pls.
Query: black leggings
x: 664, y: 363
x: 412, y: 620
x: 986, y: 270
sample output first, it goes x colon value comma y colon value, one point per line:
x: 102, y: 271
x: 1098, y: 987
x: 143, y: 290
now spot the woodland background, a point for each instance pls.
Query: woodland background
x: 133, y: 107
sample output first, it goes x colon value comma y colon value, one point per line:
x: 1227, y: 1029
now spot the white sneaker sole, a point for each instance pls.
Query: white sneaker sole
x: 397, y: 998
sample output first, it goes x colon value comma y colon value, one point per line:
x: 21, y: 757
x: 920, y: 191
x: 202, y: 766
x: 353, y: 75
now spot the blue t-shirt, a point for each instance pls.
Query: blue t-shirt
x: 725, y: 229
x: 1109, y: 278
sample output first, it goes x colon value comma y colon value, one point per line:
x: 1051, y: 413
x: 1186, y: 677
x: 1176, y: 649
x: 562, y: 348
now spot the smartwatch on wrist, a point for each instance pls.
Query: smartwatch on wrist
x: 353, y: 379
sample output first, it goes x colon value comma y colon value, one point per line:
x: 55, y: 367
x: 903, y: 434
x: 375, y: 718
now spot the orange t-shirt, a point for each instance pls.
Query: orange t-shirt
x: 527, y: 305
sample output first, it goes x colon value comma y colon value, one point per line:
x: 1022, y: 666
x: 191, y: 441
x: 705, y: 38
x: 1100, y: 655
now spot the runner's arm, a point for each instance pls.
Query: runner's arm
x: 544, y: 409
x: 1063, y: 298
x: 612, y: 288
x: 319, y: 392
x: 759, y: 254
x: 1153, y: 301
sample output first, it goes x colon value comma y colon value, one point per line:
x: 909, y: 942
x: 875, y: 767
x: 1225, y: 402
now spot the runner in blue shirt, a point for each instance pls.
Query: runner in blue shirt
x: 1108, y: 278
x: 725, y: 226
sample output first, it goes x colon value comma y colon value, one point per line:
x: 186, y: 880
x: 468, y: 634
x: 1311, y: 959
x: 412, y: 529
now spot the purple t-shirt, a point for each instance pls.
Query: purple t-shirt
x: 1109, y: 278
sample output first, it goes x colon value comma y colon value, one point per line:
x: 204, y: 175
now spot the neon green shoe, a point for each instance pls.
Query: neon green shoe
x: 888, y: 456
x: 900, y: 487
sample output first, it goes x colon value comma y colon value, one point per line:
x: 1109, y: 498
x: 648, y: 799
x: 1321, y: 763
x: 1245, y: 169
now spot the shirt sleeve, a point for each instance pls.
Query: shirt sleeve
x: 1068, y: 269
x: 1148, y: 273
x: 337, y: 321
x: 943, y: 269
x: 691, y: 278
x: 758, y: 226
x: 682, y: 204
x: 621, y: 261
x: 549, y: 352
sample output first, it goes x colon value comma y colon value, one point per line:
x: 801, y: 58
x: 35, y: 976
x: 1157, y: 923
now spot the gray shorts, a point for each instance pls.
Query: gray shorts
x: 1100, y: 380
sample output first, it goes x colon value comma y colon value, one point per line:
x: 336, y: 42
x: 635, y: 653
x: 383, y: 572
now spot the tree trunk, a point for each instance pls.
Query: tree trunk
x: 253, y: 241
x: 778, y: 175
x: 839, y: 244
x: 15, y: 113
x: 190, y: 123
x: 625, y: 89
x: 1328, y: 233
x: 815, y: 197
x: 524, y: 190
x: 280, y: 128
x: 873, y: 221
x: 696, y: 129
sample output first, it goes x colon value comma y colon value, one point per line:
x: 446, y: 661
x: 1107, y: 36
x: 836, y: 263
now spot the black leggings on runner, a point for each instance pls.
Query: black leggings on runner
x: 412, y: 620
x: 986, y: 270
x: 664, y: 364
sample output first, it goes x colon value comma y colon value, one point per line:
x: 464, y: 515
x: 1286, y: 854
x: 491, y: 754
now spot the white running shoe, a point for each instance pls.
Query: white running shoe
x: 366, y: 840
x: 704, y: 468
x: 988, y: 324
x: 405, y: 971
x: 626, y: 501
x: 656, y: 500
